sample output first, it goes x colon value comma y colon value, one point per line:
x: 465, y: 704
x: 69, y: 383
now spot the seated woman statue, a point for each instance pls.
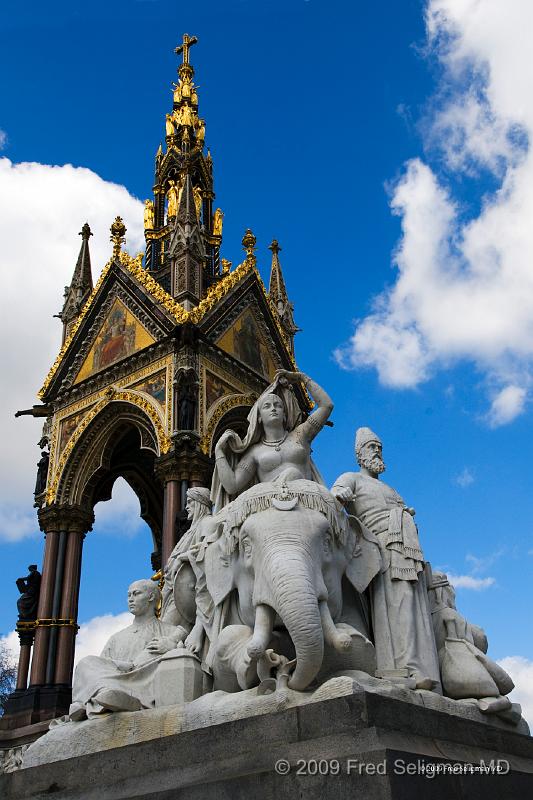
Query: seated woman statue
x: 276, y: 572
x: 122, y: 677
x: 277, y: 445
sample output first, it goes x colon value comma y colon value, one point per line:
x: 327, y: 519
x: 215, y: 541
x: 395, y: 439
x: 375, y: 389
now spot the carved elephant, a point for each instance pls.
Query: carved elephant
x: 287, y: 569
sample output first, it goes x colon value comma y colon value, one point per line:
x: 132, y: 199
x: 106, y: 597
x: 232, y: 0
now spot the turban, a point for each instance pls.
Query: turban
x: 200, y: 495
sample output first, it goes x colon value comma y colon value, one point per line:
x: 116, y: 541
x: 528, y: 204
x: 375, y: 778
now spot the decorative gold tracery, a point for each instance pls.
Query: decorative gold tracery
x: 215, y: 293
x: 109, y: 395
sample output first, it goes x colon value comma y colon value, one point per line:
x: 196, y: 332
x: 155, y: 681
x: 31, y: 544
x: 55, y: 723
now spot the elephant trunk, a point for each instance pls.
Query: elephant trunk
x: 295, y: 599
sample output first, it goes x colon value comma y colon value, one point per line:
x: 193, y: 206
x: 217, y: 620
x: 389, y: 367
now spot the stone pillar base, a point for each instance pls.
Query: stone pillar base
x: 357, y: 747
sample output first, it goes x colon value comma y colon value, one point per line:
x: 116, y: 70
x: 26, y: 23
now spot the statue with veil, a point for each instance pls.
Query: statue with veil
x: 282, y: 535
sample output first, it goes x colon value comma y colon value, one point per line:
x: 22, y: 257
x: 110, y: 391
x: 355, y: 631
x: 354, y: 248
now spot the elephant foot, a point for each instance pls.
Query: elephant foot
x: 256, y: 647
x: 341, y: 641
x: 246, y: 673
x: 264, y: 621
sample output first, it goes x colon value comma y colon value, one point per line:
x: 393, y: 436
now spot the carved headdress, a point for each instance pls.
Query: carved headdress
x: 364, y: 436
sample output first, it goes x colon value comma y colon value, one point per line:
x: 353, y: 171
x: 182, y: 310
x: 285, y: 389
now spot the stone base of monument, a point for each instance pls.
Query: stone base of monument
x: 353, y: 737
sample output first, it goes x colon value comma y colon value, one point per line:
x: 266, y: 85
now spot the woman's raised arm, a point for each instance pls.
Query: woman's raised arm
x: 324, y: 404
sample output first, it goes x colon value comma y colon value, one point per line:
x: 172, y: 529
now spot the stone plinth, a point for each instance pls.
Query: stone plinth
x: 373, y: 742
x: 179, y: 678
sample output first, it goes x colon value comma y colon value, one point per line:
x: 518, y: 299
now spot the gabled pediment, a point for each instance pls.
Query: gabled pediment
x: 122, y: 317
x: 244, y: 326
x: 120, y: 335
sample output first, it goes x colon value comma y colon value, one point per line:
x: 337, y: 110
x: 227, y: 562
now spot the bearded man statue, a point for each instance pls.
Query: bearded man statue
x: 401, y: 619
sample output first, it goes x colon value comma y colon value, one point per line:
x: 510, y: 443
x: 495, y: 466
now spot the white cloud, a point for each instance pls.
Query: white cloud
x: 470, y: 582
x: 122, y: 513
x: 464, y: 286
x: 482, y: 563
x: 42, y: 208
x: 464, y: 479
x: 93, y: 635
x: 521, y: 671
x: 507, y: 405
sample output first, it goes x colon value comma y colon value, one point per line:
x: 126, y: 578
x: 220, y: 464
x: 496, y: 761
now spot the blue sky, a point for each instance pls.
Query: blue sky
x: 386, y: 146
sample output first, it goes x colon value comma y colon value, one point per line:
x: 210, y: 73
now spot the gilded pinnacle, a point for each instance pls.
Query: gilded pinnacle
x: 118, y: 230
x: 248, y: 243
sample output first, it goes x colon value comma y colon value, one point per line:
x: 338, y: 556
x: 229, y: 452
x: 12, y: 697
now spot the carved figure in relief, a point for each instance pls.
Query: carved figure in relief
x: 169, y: 125
x: 176, y: 87
x: 467, y: 672
x: 405, y: 645
x: 187, y: 116
x: 218, y: 218
x: 29, y: 588
x: 285, y: 546
x: 148, y: 214
x: 172, y: 198
x: 122, y: 677
x: 42, y: 473
x: 186, y: 600
x: 187, y: 406
x: 200, y: 133
x: 198, y: 200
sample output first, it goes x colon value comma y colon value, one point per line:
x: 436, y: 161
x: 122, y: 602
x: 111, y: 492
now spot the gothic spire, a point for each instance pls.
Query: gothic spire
x: 278, y: 294
x: 184, y: 155
x: 81, y: 285
x: 187, y: 250
x: 184, y: 130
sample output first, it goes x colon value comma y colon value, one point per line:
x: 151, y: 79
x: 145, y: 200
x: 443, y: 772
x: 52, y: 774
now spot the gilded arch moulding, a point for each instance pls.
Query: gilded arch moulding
x: 225, y: 405
x: 109, y: 396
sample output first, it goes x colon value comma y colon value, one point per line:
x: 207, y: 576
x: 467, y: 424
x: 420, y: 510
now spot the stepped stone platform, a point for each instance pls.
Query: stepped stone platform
x: 357, y: 745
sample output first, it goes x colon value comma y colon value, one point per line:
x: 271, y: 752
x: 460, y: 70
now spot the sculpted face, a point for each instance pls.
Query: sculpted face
x: 141, y: 597
x: 189, y: 507
x: 271, y: 410
x: 370, y: 456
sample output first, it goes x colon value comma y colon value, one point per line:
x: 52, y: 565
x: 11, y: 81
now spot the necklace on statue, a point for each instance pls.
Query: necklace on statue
x: 276, y: 445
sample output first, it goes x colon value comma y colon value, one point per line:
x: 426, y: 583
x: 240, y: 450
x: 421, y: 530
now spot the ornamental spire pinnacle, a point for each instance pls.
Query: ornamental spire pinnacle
x: 184, y: 130
x: 183, y: 187
x: 278, y: 295
x: 81, y: 284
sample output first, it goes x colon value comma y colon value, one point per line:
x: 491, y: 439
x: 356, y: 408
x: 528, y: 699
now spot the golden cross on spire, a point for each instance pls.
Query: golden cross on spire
x: 188, y: 42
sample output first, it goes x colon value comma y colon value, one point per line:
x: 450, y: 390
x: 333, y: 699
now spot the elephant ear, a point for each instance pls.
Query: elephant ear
x: 364, y: 556
x: 219, y: 572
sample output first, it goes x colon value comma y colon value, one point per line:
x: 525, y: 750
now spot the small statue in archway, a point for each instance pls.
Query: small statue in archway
x: 42, y: 473
x: 29, y: 588
x: 187, y: 407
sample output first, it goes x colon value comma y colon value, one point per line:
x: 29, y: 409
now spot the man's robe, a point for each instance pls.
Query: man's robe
x: 401, y: 619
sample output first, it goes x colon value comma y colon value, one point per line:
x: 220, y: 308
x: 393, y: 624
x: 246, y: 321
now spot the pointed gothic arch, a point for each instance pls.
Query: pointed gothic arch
x: 121, y: 439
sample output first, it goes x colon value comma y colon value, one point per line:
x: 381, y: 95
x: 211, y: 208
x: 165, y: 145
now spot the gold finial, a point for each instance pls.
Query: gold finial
x: 248, y: 243
x: 274, y: 246
x: 118, y: 229
x: 226, y: 266
x: 184, y: 48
